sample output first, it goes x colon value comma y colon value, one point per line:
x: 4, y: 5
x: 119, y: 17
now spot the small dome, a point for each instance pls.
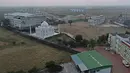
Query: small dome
x: 44, y: 23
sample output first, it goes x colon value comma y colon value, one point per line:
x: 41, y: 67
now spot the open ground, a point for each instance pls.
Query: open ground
x: 24, y: 56
x: 89, y: 32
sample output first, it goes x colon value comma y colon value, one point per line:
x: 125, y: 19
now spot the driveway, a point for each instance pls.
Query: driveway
x: 116, y: 60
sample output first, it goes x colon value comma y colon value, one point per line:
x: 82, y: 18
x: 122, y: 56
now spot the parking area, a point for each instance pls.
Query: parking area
x: 116, y: 60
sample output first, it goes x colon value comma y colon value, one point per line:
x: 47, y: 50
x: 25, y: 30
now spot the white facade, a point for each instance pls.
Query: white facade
x: 106, y: 70
x: 112, y: 41
x: 45, y: 30
x: 95, y: 20
x: 23, y: 20
x: 121, y: 45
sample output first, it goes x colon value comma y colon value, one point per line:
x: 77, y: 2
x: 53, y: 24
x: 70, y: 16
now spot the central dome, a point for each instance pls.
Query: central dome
x: 44, y: 23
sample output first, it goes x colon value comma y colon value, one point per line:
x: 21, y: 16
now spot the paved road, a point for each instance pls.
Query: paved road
x: 116, y: 60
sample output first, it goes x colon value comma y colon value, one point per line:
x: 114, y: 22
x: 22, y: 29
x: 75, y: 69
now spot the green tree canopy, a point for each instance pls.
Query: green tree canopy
x: 84, y: 42
x: 78, y: 38
x: 103, y: 39
x: 52, y: 67
x: 70, y: 22
x: 92, y: 43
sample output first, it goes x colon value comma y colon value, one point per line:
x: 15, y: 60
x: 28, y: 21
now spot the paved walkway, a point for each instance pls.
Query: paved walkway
x: 116, y: 60
x: 69, y: 68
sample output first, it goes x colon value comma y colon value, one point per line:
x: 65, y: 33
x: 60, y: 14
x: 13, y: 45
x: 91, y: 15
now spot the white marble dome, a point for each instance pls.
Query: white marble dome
x: 44, y: 23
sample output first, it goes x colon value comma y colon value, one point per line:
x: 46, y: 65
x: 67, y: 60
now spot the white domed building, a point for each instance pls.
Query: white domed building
x: 45, y: 30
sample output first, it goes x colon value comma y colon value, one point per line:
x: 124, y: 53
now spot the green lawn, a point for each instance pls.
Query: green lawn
x: 27, y: 55
x: 59, y: 36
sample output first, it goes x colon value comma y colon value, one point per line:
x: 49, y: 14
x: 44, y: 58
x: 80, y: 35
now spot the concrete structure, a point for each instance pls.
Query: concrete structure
x: 112, y: 40
x: 77, y: 10
x: 45, y: 30
x: 73, y: 18
x: 24, y: 20
x: 91, y: 62
x: 95, y: 20
x: 120, y: 43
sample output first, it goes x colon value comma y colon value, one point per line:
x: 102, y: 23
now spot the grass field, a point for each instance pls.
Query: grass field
x: 89, y: 32
x: 59, y: 36
x: 27, y: 55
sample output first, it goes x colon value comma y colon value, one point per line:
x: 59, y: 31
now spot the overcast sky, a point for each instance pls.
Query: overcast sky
x: 62, y: 2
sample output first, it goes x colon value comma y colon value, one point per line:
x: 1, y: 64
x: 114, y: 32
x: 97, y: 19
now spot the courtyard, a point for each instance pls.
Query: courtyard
x: 116, y: 60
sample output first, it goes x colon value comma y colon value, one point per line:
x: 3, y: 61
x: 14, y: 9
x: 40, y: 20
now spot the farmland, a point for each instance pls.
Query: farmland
x: 19, y: 53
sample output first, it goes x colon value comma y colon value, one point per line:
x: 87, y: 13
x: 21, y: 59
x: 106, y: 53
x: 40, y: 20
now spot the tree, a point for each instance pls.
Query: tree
x: 84, y: 43
x: 70, y: 22
x: 52, y: 67
x: 103, y: 39
x: 92, y: 43
x: 72, y: 44
x: 33, y: 70
x: 50, y: 64
x: 6, y: 22
x: 78, y: 38
x: 65, y: 42
x: 14, y: 43
x: 127, y: 32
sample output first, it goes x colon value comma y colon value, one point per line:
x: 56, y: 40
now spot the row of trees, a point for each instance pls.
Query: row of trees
x: 81, y: 42
x: 102, y: 39
x: 85, y: 43
x: 51, y: 67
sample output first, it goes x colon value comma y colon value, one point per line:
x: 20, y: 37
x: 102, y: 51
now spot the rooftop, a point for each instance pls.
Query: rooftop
x: 20, y: 14
x: 125, y: 38
x: 90, y: 60
x: 124, y: 35
x: 114, y: 34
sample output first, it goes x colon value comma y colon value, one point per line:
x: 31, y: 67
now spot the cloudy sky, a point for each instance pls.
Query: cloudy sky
x: 62, y: 2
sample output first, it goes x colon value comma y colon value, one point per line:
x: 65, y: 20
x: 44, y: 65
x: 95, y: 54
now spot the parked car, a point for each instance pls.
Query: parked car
x: 107, y: 49
x: 125, y: 63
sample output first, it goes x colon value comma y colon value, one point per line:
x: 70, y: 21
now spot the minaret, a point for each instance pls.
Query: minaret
x: 1, y: 23
x: 59, y: 28
x: 30, y: 30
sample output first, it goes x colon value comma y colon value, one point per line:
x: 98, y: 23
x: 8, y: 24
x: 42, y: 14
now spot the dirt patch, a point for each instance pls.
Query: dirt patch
x: 25, y: 56
x: 89, y: 32
x: 3, y: 43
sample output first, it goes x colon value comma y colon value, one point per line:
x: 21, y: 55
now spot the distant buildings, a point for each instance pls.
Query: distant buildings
x: 120, y: 43
x: 95, y: 20
x: 77, y: 10
x: 74, y: 18
x: 44, y: 31
x: 91, y: 62
x: 123, y: 20
x: 24, y: 20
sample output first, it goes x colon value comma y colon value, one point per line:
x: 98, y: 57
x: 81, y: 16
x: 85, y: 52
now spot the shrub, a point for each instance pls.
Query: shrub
x: 14, y: 43
x: 20, y: 71
x: 84, y: 43
x: 23, y: 43
x: 52, y: 67
x: 33, y: 70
